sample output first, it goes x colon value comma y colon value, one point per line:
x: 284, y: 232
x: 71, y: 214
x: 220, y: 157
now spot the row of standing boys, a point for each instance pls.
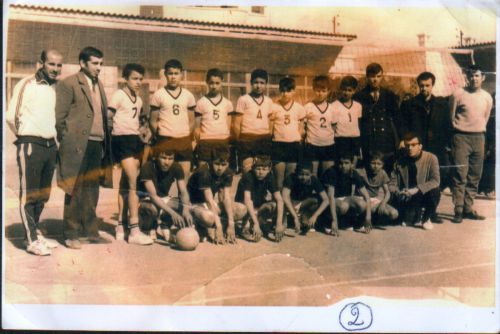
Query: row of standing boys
x: 296, y: 161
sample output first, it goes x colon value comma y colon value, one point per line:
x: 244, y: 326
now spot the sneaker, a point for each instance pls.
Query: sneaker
x: 458, y: 218
x: 73, y: 244
x: 362, y: 229
x: 418, y: 224
x: 50, y: 243
x: 350, y: 229
x: 403, y: 224
x: 490, y: 194
x: 139, y: 239
x: 163, y: 233
x: 473, y: 215
x: 119, y: 233
x: 428, y: 225
x: 152, y: 234
x: 38, y: 248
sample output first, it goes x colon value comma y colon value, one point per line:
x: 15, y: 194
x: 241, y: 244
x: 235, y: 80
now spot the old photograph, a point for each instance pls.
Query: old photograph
x: 195, y: 162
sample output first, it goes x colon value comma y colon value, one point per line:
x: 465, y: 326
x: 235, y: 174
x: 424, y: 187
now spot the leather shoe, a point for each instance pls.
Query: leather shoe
x: 473, y: 215
x: 98, y: 240
x: 458, y: 218
x: 73, y: 244
x: 436, y: 219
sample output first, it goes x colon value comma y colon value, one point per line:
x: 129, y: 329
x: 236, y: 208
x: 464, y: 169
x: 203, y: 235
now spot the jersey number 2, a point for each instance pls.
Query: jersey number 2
x: 322, y: 121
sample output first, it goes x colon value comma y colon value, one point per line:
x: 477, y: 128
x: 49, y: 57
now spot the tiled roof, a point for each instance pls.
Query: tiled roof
x: 475, y: 45
x: 183, y: 21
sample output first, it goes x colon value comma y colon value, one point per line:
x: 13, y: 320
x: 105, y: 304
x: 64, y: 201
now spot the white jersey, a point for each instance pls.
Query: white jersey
x: 32, y: 109
x: 319, y: 124
x: 346, y: 119
x: 286, y: 122
x: 255, y: 119
x: 173, y: 119
x: 127, y: 113
x: 214, y: 117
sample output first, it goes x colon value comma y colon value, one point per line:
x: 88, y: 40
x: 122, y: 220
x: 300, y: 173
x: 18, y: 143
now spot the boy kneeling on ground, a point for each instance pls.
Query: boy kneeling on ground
x: 155, y: 180
x: 203, y: 186
x: 344, y: 185
x: 259, y: 192
x: 304, y: 196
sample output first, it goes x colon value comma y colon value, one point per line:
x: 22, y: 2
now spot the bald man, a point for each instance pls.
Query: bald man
x: 31, y: 116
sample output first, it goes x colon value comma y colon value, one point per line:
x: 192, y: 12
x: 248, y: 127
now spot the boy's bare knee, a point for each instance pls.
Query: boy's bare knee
x: 359, y: 205
x: 239, y: 211
x: 393, y: 213
x: 206, y: 218
x: 342, y: 207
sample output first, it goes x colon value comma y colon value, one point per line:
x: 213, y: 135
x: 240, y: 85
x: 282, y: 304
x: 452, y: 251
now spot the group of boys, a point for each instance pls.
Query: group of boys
x: 296, y: 161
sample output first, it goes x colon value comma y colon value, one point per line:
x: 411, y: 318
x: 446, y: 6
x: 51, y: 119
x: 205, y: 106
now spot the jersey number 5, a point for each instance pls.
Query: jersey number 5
x: 176, y: 110
x: 216, y: 114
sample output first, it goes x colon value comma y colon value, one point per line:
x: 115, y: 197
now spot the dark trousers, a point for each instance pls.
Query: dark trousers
x: 467, y: 152
x: 411, y: 211
x: 36, y: 164
x: 444, y: 160
x: 80, y: 206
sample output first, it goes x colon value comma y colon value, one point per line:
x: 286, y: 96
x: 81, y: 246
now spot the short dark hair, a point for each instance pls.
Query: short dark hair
x: 286, y: 84
x: 173, y: 63
x: 426, y: 76
x: 129, y: 68
x: 262, y: 161
x: 412, y: 135
x: 158, y: 149
x: 43, y: 55
x: 259, y: 73
x: 321, y: 81
x: 304, y: 165
x: 374, y: 68
x: 214, y: 72
x: 346, y: 155
x: 474, y: 68
x: 88, y: 52
x: 376, y: 155
x: 220, y: 154
x: 349, y: 81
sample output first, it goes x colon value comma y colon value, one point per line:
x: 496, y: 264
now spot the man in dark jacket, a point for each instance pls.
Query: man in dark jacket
x: 428, y: 116
x: 380, y: 117
x: 84, y: 157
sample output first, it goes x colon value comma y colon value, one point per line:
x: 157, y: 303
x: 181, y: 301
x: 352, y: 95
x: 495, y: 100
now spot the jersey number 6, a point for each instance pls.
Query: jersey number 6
x: 175, y: 109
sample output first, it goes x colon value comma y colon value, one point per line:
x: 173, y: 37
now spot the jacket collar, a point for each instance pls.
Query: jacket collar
x: 42, y: 79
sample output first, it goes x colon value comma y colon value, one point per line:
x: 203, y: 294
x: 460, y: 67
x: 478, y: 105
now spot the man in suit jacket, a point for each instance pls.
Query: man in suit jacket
x: 415, y: 183
x: 428, y: 116
x: 84, y: 158
x: 380, y: 117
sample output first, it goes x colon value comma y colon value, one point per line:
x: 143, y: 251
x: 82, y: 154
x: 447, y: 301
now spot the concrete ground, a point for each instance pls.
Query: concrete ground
x: 451, y: 262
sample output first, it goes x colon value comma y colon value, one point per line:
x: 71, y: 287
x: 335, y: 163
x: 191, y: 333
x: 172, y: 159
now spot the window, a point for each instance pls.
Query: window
x: 258, y: 9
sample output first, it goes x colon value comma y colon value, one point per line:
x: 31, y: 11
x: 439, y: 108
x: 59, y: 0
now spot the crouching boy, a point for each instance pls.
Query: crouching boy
x: 344, y: 185
x: 156, y: 178
x: 207, y: 184
x: 304, y: 196
x: 258, y: 191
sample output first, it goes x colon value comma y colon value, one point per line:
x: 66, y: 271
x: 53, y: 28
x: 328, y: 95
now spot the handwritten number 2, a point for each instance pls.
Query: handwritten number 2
x: 355, y: 312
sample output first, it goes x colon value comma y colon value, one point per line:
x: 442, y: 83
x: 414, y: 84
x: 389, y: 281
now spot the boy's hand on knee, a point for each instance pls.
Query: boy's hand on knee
x: 311, y: 221
x: 177, y: 219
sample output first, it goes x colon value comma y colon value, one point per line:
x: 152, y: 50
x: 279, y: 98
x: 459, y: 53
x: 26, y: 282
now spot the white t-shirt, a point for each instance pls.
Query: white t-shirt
x: 347, y: 124
x: 319, y: 121
x: 286, y: 122
x: 255, y: 116
x: 214, y: 116
x: 127, y: 113
x: 173, y: 118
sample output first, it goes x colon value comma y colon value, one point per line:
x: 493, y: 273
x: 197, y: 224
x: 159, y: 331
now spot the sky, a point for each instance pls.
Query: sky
x: 374, y: 24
